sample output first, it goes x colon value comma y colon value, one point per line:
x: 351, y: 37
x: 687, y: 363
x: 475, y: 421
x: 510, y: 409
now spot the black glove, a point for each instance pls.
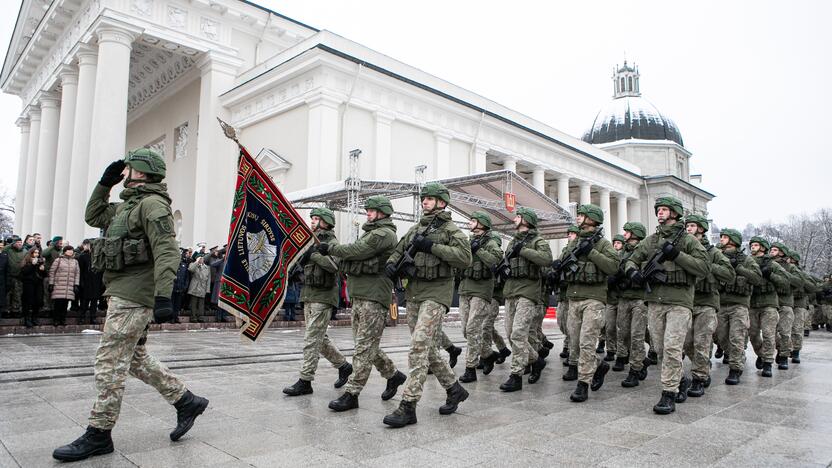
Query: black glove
x: 390, y: 271
x: 635, y: 276
x: 475, y: 245
x: 556, y: 265
x: 162, y: 309
x: 112, y: 175
x: 584, y: 247
x: 323, y: 248
x: 766, y: 270
x: 734, y: 260
x: 670, y: 251
x: 422, y: 244
x: 51, y: 287
x: 515, y: 251
x: 76, y: 290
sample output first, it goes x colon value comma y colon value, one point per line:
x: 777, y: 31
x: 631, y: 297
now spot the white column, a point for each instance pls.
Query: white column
x: 605, y: 207
x: 563, y: 201
x: 621, y: 212
x: 23, y: 123
x: 109, y: 114
x: 635, y: 211
x: 384, y: 145
x: 442, y: 155
x: 63, y: 160
x: 478, y: 165
x: 585, y: 196
x: 31, y: 169
x: 79, y: 183
x: 45, y: 170
x: 216, y: 155
x: 322, y: 143
x: 539, y: 178
x: 510, y: 164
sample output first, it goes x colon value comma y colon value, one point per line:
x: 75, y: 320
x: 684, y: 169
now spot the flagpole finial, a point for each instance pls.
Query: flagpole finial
x: 230, y: 132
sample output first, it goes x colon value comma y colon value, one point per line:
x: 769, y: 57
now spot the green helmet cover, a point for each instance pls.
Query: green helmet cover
x: 636, y: 229
x: 671, y: 202
x: 380, y: 203
x: 325, y: 214
x: 699, y: 220
x: 619, y: 238
x: 482, y: 218
x: 782, y: 247
x: 593, y: 212
x: 146, y: 160
x: 528, y: 216
x: 574, y: 229
x: 794, y: 255
x: 734, y: 235
x: 760, y: 241
x: 436, y: 190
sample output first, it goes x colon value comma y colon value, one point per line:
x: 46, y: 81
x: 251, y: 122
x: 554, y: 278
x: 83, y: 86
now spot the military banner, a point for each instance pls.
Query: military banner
x: 265, y: 238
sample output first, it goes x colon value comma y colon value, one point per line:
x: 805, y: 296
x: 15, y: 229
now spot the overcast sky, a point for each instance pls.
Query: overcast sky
x: 747, y: 83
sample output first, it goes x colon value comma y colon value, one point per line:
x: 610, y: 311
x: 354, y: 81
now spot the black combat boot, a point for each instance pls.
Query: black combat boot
x: 682, y: 394
x: 758, y: 363
x: 514, y: 383
x: 653, y: 357
x: 766, y: 369
x: 547, y: 344
x: 796, y: 357
x: 733, y: 377
x: 345, y: 402
x: 453, y: 354
x: 405, y: 414
x: 620, y: 363
x: 707, y: 382
x: 642, y: 374
x: 828, y: 326
x: 814, y: 326
x: 610, y: 356
x: 504, y: 353
x: 631, y: 380
x: 571, y: 373
x: 697, y: 388
x: 806, y: 333
x: 343, y: 374
x: 564, y: 353
x: 667, y: 404
x: 537, y: 369
x: 543, y: 352
x: 488, y: 363
x: 470, y: 375
x: 479, y: 365
x: 581, y: 393
x: 601, y: 346
x: 187, y: 409
x: 456, y: 395
x: 718, y: 353
x: 527, y: 370
x: 598, y: 376
x: 393, y: 384
x: 301, y: 387
x: 94, y: 442
x: 782, y: 362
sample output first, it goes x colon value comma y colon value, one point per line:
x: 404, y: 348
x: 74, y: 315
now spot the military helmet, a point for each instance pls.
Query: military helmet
x: 671, y: 202
x: 619, y: 238
x: 380, y: 203
x: 734, y: 235
x: 764, y: 243
x: 699, y: 220
x: 593, y: 212
x: 325, y: 214
x: 636, y: 229
x: 436, y: 190
x: 794, y: 255
x: 482, y: 218
x: 146, y: 160
x: 574, y: 229
x: 782, y: 247
x: 528, y: 216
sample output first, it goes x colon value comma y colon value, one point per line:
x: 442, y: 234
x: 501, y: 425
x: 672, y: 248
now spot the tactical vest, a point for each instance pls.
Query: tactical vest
x: 587, y: 273
x: 428, y: 266
x: 478, y: 270
x: 520, y: 267
x: 369, y: 266
x: 676, y: 276
x: 314, y: 275
x: 119, y: 250
x: 787, y: 289
x: 707, y: 284
x: 768, y: 286
x: 740, y: 286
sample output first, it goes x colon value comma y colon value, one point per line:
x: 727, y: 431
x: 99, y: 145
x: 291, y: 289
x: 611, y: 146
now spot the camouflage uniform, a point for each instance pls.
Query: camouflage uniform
x: 763, y: 316
x: 801, y: 308
x: 368, y: 320
x: 734, y: 299
x: 610, y: 335
x: 631, y: 319
x: 785, y: 296
x: 520, y: 313
x: 476, y: 289
x: 489, y: 332
x: 443, y: 341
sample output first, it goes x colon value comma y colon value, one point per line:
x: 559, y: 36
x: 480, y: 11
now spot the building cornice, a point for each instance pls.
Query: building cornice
x: 653, y: 180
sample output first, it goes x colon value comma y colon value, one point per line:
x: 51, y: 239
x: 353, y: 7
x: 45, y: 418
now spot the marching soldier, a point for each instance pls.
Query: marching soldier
x: 490, y: 334
x: 140, y: 262
x: 632, y: 311
x: 319, y: 296
x: 445, y: 343
x: 763, y: 317
x: 611, y: 318
x: 440, y: 247
x: 699, y: 340
x: 801, y: 305
x: 669, y: 304
x: 363, y: 261
x: 527, y: 255
x: 563, y: 303
x: 587, y: 291
x: 734, y: 301
x: 785, y: 298
x: 475, y: 293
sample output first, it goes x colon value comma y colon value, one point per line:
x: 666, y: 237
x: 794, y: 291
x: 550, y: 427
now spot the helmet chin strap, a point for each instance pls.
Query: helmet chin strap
x: 129, y: 179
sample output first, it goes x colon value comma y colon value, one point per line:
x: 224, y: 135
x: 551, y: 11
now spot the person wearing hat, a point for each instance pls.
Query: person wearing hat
x: 563, y: 304
x: 319, y: 296
x: 670, y: 303
x: 785, y: 297
x: 440, y: 248
x: 700, y: 337
x: 64, y: 283
x: 610, y: 331
x: 51, y: 253
x: 476, y: 290
x: 632, y: 312
x: 734, y: 301
x: 370, y: 291
x: 139, y: 278
x: 763, y: 316
x: 801, y: 305
x: 587, y: 291
x: 14, y: 249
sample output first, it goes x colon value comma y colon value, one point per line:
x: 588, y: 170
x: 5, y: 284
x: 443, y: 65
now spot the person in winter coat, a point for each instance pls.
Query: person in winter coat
x: 290, y: 303
x: 91, y: 285
x: 64, y: 283
x: 180, y: 285
x: 217, y: 263
x: 32, y: 273
x: 200, y: 282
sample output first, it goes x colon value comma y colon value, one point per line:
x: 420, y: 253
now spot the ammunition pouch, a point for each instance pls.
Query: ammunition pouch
x: 587, y: 273
x: 427, y: 266
x: 522, y: 268
x: 477, y: 271
x: 316, y: 277
x: 740, y: 287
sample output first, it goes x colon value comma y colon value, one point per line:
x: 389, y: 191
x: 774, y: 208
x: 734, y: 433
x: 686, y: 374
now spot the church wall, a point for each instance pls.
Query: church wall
x: 460, y: 158
x: 359, y: 133
x: 286, y: 135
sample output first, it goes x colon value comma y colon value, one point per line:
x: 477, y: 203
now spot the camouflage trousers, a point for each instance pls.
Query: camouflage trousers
x: 731, y: 333
x: 668, y: 326
x: 425, y: 321
x: 586, y: 317
x: 762, y: 330
x: 316, y: 343
x: 797, y: 328
x: 563, y: 321
x: 810, y: 313
x: 536, y: 336
x: 443, y: 341
x: 520, y: 315
x: 819, y: 315
x: 14, y: 296
x: 826, y: 313
x: 699, y: 341
x: 783, y: 343
x: 121, y: 351
x: 472, y: 312
x: 632, y: 324
x: 611, y: 327
x: 368, y: 320
x: 489, y: 333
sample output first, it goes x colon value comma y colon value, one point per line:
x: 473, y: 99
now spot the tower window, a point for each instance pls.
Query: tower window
x: 622, y: 84
x: 629, y: 83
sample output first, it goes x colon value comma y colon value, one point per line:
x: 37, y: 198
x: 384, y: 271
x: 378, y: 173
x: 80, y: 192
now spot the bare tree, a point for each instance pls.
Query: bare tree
x: 7, y: 214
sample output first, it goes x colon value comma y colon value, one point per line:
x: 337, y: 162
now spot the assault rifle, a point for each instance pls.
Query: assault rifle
x: 502, y: 269
x: 570, y: 263
x: 654, y: 271
x: 406, y: 264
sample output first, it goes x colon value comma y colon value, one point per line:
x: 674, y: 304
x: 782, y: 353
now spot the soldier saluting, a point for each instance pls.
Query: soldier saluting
x: 139, y: 259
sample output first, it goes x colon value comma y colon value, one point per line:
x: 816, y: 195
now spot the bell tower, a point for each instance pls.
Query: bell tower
x: 625, y: 81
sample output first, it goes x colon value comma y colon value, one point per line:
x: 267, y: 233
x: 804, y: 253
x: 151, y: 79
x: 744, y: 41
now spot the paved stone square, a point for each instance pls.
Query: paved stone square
x: 46, y: 391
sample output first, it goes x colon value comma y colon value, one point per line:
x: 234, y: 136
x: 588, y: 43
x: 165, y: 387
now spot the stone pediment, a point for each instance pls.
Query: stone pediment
x: 272, y: 163
x: 152, y: 69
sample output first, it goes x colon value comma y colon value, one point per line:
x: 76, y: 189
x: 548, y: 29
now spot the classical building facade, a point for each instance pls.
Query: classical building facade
x: 99, y: 77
